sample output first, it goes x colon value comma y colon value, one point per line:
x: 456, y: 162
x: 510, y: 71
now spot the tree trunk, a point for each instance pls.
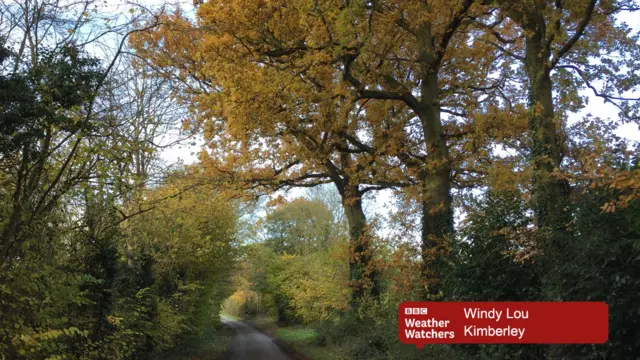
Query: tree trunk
x: 437, y: 210
x: 362, y: 271
x: 11, y: 230
x: 550, y: 194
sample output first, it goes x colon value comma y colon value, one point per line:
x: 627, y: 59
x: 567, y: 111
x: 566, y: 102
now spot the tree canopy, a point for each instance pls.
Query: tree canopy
x: 469, y: 118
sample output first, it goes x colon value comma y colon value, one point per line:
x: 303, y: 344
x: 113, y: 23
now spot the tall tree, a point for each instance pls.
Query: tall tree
x: 564, y: 47
x: 289, y: 131
x: 414, y: 55
x: 323, y: 68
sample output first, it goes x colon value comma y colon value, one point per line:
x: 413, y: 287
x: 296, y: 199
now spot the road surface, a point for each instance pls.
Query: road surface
x: 251, y: 344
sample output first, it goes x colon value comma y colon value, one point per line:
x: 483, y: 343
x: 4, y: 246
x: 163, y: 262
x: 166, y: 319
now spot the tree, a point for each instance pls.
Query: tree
x: 190, y: 246
x: 33, y: 121
x: 299, y: 227
x: 496, y: 259
x: 50, y: 130
x: 299, y: 271
x: 564, y: 47
x: 317, y: 106
x: 413, y: 57
x: 605, y: 265
x: 77, y: 152
x: 287, y: 133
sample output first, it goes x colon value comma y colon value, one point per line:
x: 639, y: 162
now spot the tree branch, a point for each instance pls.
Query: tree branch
x: 576, y: 36
x: 404, y: 96
x: 451, y: 29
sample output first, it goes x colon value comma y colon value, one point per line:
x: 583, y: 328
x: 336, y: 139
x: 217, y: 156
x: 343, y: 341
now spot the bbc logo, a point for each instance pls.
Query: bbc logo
x: 415, y: 311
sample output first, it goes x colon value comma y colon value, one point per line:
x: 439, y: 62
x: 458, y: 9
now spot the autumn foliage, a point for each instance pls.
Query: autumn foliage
x: 437, y: 150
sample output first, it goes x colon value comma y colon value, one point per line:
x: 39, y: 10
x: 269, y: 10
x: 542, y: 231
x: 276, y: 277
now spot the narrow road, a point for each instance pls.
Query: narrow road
x: 251, y: 344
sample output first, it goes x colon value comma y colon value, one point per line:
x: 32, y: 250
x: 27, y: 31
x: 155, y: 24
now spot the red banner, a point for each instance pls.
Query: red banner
x: 423, y: 323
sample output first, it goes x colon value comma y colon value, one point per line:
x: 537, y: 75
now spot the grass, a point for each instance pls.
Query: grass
x: 297, y: 335
x: 303, y: 339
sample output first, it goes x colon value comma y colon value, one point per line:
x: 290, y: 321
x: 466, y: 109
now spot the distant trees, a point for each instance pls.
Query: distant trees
x: 299, y: 228
x: 299, y: 270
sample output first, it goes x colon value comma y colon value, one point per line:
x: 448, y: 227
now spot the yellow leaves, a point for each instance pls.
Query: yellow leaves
x: 225, y: 40
x: 316, y: 285
x: 191, y: 222
x: 498, y: 123
x: 404, y: 271
x: 608, y: 207
x: 275, y: 76
x: 560, y: 175
x: 276, y: 202
x: 597, y: 175
x: 627, y: 184
x: 436, y: 209
x: 29, y: 342
x: 56, y: 357
x: 537, y: 109
x: 287, y: 257
x: 503, y: 176
x: 114, y: 320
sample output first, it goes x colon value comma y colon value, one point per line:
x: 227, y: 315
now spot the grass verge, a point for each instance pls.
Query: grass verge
x: 302, y: 339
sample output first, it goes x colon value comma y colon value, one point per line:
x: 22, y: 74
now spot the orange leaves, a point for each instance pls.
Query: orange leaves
x: 276, y: 202
x: 524, y: 246
x: 608, y: 207
x: 503, y: 176
x: 274, y: 95
x: 500, y: 123
x: 404, y: 270
x: 435, y: 210
x: 627, y: 185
